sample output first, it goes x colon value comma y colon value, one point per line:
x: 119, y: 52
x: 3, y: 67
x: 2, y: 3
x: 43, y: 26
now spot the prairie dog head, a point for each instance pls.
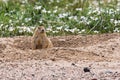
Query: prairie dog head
x: 41, y: 29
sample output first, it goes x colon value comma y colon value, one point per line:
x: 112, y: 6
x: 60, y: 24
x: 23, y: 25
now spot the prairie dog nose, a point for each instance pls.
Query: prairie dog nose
x: 42, y: 30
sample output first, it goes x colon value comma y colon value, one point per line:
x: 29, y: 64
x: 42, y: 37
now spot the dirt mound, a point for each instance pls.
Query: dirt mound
x: 69, y: 55
x: 73, y: 41
x: 90, y: 47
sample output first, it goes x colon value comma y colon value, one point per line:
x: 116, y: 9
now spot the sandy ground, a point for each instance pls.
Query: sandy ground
x: 65, y: 61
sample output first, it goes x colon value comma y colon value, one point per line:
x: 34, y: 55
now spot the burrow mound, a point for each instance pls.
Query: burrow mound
x: 72, y: 41
x: 65, y: 48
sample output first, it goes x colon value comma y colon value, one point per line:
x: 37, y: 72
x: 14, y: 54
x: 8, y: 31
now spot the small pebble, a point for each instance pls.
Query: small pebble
x: 53, y: 59
x: 73, y: 64
x: 94, y: 79
x: 86, y: 69
x: 33, y: 75
x: 113, y: 48
x: 110, y: 72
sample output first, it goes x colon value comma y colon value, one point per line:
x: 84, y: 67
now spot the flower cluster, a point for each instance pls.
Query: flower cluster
x: 59, y: 17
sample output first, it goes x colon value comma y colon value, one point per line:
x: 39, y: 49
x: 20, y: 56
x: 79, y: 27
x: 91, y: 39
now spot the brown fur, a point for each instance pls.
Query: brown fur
x: 40, y: 39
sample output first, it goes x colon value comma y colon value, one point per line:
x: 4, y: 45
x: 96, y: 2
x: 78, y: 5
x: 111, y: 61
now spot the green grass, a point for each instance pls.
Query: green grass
x: 60, y: 17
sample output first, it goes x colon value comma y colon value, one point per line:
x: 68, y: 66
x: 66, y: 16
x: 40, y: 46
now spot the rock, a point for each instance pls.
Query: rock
x: 94, y: 79
x: 86, y: 69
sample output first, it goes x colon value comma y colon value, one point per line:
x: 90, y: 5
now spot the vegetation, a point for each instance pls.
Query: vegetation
x: 60, y: 17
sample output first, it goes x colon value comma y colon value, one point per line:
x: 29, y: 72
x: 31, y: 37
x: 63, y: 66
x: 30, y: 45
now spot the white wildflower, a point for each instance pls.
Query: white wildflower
x: 24, y: 29
x: 116, y: 30
x: 40, y: 21
x: 6, y: 14
x: 78, y: 9
x: 63, y: 15
x: 58, y: 1
x: 55, y: 31
x: 1, y: 25
x: 37, y: 7
x: 72, y: 17
x: 28, y: 19
x: 118, y: 10
x: 75, y: 17
x: 59, y: 28
x: 23, y: 12
x: 105, y: 27
x: 5, y: 1
x: 51, y: 0
x: 56, y: 7
x: 95, y: 3
x: 32, y: 28
x: 101, y: 1
x: 44, y: 10
x: 24, y: 1
x: 90, y: 12
x: 20, y: 31
x: 111, y: 11
x: 94, y: 18
x: 23, y: 24
x: 108, y: 1
x: 83, y: 30
x: 66, y: 29
x: 88, y: 22
x: 54, y: 11
x: 98, y: 11
x: 49, y: 29
x: 28, y: 29
x: 111, y: 20
x: 83, y: 18
x: 11, y: 28
x: 48, y: 11
x: 10, y: 21
x: 116, y: 22
x: 73, y: 30
x: 96, y: 31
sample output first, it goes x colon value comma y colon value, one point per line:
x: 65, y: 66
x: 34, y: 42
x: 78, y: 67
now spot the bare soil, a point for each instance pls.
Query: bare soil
x: 65, y: 61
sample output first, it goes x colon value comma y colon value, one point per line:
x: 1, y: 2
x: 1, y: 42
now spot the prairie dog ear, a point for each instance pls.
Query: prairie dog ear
x: 36, y: 28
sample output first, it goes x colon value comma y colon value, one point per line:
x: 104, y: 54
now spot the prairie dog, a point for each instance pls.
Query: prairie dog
x: 40, y: 39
